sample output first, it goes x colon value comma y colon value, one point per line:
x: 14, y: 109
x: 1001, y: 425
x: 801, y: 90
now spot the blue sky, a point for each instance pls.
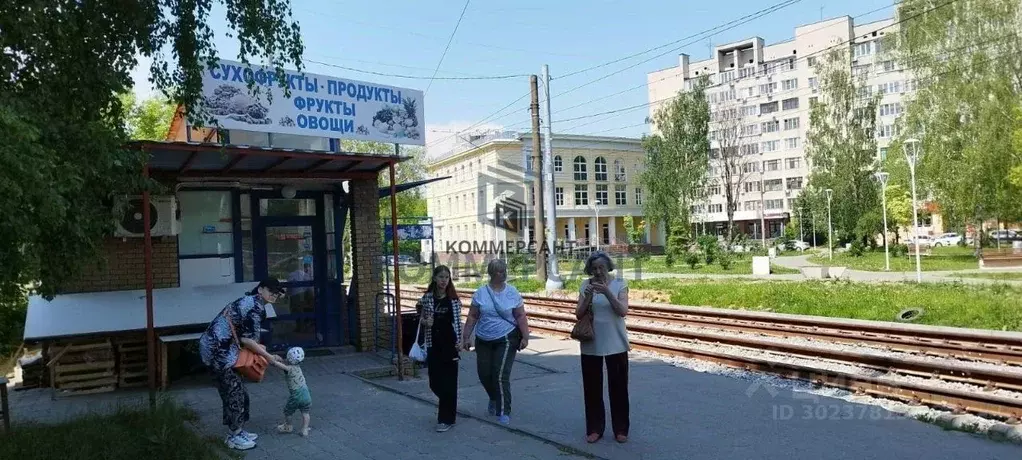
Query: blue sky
x: 504, y: 37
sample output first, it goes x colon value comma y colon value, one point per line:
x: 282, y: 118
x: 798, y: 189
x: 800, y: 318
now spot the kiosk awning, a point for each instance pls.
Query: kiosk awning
x: 188, y: 160
x: 385, y: 191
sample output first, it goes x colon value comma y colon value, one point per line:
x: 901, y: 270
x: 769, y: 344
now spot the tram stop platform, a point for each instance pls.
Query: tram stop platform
x: 678, y: 413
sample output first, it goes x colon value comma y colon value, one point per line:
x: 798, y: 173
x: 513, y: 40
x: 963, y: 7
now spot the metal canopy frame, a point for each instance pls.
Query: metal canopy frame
x: 177, y: 161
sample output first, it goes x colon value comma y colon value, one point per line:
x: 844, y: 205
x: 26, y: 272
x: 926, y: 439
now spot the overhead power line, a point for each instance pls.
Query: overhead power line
x: 643, y: 85
x: 649, y: 50
x: 449, y: 40
x: 730, y: 82
x: 416, y: 77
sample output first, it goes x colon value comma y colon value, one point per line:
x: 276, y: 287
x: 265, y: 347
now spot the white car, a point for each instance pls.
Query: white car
x: 925, y: 241
x: 947, y: 240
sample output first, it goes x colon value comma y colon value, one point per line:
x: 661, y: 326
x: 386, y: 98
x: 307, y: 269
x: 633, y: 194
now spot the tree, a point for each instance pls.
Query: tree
x: 676, y: 158
x: 842, y: 150
x: 899, y: 210
x: 149, y: 120
x: 410, y: 203
x: 730, y: 160
x: 967, y: 59
x: 63, y: 64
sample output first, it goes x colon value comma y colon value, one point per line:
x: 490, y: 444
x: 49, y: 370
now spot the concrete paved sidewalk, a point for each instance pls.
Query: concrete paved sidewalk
x: 682, y: 414
x: 351, y: 419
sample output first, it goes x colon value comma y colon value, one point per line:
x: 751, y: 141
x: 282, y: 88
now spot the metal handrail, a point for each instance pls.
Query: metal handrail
x: 376, y: 322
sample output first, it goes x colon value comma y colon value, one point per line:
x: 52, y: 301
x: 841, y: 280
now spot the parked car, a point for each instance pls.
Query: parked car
x: 947, y: 240
x: 401, y: 260
x: 925, y: 241
x: 794, y: 245
x: 1004, y: 235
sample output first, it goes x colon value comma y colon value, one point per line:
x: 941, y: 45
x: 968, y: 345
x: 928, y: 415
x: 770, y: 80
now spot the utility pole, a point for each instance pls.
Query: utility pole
x: 537, y: 182
x: 553, y: 280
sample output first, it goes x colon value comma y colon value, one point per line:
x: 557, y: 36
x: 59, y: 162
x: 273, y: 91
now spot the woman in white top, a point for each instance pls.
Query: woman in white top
x: 497, y: 316
x: 607, y: 297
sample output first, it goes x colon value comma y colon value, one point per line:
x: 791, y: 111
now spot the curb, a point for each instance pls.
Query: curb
x: 560, y: 446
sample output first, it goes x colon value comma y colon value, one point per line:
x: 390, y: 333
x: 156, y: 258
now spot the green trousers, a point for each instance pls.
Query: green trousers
x: 494, y: 359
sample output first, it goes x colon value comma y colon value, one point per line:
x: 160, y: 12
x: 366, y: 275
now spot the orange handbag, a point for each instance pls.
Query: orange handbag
x: 250, y: 365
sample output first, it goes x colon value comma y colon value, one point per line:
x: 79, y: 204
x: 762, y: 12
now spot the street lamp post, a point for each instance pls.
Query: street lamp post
x: 882, y: 177
x: 912, y: 156
x: 762, y: 213
x: 801, y: 231
x: 596, y: 231
x: 830, y: 226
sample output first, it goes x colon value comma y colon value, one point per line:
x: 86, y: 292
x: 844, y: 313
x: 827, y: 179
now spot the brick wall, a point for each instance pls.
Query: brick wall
x: 123, y: 266
x: 366, y: 253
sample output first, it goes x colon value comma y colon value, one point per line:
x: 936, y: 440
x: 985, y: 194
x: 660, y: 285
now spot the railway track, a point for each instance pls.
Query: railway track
x: 963, y: 370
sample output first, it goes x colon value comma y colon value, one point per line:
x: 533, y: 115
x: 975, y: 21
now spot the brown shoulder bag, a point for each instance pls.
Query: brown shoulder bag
x: 583, y: 330
x: 250, y: 365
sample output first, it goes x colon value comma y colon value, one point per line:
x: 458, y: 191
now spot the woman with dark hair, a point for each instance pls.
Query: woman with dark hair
x: 237, y: 325
x: 441, y: 315
x: 605, y: 297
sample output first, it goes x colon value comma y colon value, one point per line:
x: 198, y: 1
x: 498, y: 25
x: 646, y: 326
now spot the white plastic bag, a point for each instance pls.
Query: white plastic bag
x: 417, y: 353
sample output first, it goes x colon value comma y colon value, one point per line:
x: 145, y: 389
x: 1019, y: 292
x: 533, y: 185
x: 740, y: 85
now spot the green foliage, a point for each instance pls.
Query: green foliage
x: 62, y: 160
x: 677, y: 157
x: 841, y: 147
x: 164, y: 433
x: 726, y: 259
x: 148, y: 120
x: 857, y: 249
x: 709, y: 246
x: 966, y: 106
x: 692, y: 259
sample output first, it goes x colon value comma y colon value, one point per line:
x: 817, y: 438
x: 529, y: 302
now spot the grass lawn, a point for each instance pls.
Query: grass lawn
x: 1002, y: 276
x: 130, y: 434
x: 941, y: 259
x: 974, y: 306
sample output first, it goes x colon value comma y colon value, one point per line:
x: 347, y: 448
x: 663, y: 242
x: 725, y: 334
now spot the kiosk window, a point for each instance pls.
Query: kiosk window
x: 206, y: 223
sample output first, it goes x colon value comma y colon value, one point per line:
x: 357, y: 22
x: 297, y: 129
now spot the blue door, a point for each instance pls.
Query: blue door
x: 289, y: 244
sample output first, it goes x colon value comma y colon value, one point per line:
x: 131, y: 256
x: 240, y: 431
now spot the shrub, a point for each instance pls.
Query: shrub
x: 692, y: 259
x: 726, y: 259
x: 857, y: 248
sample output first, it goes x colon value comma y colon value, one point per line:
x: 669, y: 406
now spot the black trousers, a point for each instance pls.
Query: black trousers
x: 443, y: 381
x: 617, y: 386
x: 234, y: 398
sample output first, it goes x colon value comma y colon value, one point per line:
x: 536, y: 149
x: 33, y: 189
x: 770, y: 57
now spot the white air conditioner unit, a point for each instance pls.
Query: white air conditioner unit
x: 162, y: 216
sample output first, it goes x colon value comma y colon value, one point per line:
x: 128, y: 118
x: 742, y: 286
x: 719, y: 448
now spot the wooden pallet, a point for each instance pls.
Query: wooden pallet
x: 83, y: 367
x: 132, y: 363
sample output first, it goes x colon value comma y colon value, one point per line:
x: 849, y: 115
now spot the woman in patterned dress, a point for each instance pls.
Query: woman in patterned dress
x: 219, y: 351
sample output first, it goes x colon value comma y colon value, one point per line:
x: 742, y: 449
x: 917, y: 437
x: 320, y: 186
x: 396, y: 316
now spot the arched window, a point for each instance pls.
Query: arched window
x: 619, y: 171
x: 600, y: 169
x: 580, y: 169
x: 558, y: 164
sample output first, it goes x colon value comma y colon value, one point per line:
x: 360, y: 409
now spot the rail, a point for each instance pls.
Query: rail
x: 981, y: 359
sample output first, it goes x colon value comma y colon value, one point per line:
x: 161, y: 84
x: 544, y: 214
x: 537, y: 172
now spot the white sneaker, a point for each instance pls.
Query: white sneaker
x: 239, y: 442
x: 249, y: 436
x: 442, y: 427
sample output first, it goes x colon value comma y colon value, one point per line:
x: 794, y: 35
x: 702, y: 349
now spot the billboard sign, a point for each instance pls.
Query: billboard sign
x: 407, y: 232
x: 319, y: 105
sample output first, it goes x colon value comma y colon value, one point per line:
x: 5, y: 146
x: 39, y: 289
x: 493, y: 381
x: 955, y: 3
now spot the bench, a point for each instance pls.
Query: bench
x: 923, y: 250
x: 165, y: 341
x: 1000, y: 258
x: 5, y: 411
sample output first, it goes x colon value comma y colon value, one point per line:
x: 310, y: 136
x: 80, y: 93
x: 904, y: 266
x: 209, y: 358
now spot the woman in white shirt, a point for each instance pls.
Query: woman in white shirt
x: 497, y: 316
x: 607, y: 297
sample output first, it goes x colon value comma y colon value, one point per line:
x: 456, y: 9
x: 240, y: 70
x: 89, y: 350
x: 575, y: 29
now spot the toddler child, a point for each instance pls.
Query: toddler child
x: 299, y: 399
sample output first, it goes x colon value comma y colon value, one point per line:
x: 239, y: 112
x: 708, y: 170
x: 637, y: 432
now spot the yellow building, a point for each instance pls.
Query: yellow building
x: 596, y: 186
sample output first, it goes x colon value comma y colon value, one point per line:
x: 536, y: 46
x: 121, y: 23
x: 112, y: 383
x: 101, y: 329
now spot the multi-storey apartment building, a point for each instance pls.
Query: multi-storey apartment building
x: 769, y: 88
x: 596, y: 186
